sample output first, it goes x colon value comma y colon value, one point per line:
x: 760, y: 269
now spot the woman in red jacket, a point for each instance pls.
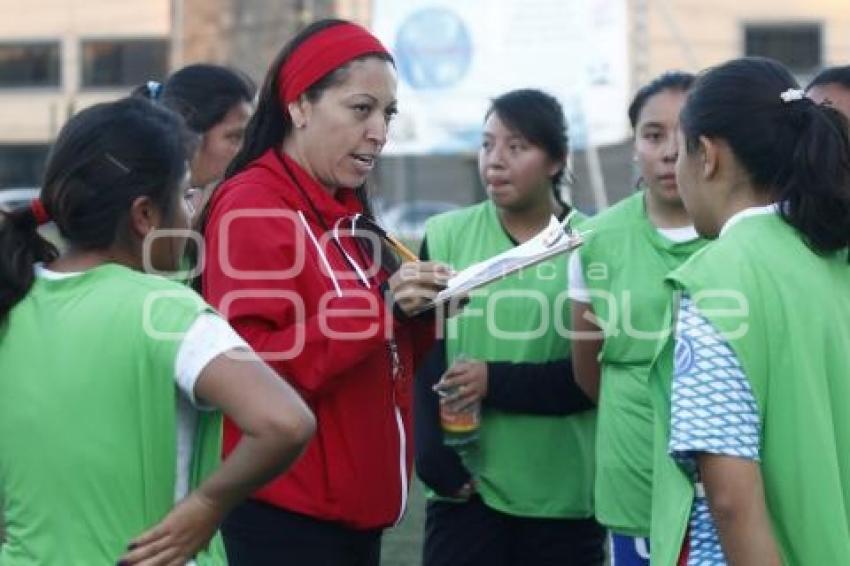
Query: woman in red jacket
x: 329, y: 311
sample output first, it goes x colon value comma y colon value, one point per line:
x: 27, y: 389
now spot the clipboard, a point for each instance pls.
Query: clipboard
x: 557, y: 238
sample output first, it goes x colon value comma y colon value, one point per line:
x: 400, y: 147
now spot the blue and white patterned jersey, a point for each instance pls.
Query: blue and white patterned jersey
x: 712, y: 410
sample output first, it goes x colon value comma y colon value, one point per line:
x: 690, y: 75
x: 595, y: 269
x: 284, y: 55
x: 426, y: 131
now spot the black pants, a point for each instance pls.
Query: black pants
x: 472, y: 534
x: 258, y: 534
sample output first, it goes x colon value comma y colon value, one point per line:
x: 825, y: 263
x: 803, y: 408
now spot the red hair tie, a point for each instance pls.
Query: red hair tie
x: 38, y: 210
x: 320, y: 54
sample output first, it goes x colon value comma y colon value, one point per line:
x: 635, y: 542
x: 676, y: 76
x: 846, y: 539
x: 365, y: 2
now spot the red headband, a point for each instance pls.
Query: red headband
x: 320, y: 54
x: 38, y: 210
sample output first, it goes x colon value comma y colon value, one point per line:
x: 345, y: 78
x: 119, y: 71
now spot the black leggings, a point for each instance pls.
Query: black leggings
x: 472, y: 534
x: 259, y: 534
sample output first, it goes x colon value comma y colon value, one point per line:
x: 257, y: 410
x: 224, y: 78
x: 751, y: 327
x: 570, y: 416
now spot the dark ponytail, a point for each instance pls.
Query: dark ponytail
x: 21, y: 246
x: 540, y: 119
x: 792, y: 148
x: 104, y: 158
x: 816, y: 181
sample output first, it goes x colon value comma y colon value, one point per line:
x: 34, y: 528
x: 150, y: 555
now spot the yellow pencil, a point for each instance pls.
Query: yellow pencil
x: 402, y: 250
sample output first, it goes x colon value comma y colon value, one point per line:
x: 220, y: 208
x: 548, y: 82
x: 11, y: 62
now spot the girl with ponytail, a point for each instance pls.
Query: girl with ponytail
x: 751, y: 395
x: 109, y: 376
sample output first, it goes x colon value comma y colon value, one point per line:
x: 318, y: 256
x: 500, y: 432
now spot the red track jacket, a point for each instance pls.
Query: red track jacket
x: 283, y: 283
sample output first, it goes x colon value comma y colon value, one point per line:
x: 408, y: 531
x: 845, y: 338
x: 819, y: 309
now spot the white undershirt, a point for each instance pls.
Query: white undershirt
x: 772, y: 208
x: 578, y: 287
x: 679, y: 235
x: 208, y: 337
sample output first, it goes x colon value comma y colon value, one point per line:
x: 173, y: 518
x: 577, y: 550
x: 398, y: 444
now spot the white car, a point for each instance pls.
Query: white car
x: 12, y: 198
x: 407, y: 220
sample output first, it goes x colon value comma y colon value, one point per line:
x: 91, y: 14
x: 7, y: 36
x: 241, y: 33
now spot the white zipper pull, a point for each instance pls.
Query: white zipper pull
x: 395, y: 358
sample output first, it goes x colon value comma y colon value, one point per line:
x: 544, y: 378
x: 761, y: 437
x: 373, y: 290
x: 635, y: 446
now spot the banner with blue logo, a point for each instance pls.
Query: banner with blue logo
x: 454, y: 56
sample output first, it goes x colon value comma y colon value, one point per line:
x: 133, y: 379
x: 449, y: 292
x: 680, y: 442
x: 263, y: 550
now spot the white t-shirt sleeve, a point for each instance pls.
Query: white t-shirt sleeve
x: 209, y: 336
x: 578, y: 288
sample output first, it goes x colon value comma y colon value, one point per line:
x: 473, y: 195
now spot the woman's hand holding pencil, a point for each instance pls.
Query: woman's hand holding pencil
x: 415, y: 284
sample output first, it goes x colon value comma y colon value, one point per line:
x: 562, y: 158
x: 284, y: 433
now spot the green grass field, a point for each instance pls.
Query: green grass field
x: 402, y: 546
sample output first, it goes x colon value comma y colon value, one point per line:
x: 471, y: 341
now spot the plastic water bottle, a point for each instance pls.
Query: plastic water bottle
x: 461, y: 428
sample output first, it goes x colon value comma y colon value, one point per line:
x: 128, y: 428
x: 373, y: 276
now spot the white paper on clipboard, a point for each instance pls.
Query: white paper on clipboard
x: 553, y: 240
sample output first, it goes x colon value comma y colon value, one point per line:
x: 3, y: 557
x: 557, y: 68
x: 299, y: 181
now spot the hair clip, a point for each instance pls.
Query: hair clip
x: 154, y: 89
x: 114, y: 160
x: 792, y: 94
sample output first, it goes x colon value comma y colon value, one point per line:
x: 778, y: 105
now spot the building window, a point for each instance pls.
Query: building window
x: 22, y: 165
x: 123, y: 63
x: 29, y: 64
x: 798, y: 46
